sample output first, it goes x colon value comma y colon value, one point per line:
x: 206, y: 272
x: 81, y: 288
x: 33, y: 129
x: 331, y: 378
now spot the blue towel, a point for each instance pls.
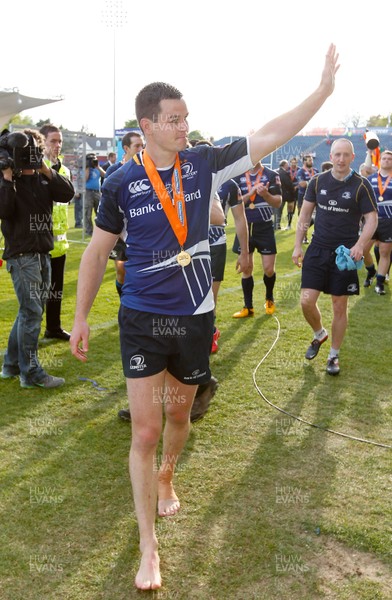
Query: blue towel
x: 344, y: 261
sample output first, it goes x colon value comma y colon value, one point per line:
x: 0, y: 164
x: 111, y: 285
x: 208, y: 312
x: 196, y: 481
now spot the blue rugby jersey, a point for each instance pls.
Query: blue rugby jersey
x: 263, y: 212
x: 154, y: 281
x: 229, y: 194
x: 384, y: 206
x: 340, y: 205
x: 304, y: 175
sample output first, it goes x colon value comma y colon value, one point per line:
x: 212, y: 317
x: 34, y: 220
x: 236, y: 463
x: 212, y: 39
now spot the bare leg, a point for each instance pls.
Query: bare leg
x: 215, y: 290
x: 339, y: 321
x: 178, y: 402
x: 367, y: 256
x: 120, y: 270
x: 146, y: 415
x: 385, y: 258
x: 310, y: 309
x: 268, y: 264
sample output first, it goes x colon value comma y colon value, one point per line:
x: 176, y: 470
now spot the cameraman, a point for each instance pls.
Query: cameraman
x: 93, y: 175
x: 28, y: 188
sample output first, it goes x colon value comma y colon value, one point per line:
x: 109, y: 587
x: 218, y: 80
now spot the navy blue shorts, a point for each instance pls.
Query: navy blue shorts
x: 119, y: 251
x: 261, y: 238
x: 383, y: 232
x: 218, y: 261
x: 151, y: 343
x: 319, y: 272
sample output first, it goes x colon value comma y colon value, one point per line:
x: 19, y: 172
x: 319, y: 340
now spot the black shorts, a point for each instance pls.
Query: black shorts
x: 319, y: 272
x: 118, y: 252
x: 261, y: 238
x: 153, y: 342
x: 383, y: 232
x: 218, y: 261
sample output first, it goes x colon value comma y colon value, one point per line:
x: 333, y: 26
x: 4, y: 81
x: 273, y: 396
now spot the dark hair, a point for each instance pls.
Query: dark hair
x: 37, y: 136
x: 147, y: 103
x: 48, y: 128
x: 126, y: 140
x: 326, y: 165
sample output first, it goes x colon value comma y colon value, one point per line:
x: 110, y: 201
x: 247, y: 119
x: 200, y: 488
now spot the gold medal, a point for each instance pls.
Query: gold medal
x: 251, y: 205
x: 183, y: 258
x: 380, y: 198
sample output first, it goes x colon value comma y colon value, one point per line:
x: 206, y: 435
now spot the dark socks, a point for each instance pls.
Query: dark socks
x: 247, y: 288
x: 269, y: 283
x: 371, y: 271
x: 289, y: 218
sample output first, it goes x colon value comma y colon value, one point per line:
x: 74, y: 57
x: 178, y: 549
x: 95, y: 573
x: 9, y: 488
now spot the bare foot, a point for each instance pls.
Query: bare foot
x: 148, y: 577
x: 168, y: 502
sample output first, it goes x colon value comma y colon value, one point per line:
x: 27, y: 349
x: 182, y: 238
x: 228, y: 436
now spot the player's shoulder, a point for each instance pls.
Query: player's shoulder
x: 228, y: 185
x: 270, y: 172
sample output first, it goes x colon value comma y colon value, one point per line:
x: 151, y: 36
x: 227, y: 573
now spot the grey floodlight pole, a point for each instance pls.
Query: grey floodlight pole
x: 115, y: 16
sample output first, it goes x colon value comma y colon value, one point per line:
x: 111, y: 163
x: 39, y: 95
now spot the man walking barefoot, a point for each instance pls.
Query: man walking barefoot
x: 166, y: 314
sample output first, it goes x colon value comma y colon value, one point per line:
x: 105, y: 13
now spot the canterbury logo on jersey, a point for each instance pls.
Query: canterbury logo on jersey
x: 187, y: 170
x: 140, y: 186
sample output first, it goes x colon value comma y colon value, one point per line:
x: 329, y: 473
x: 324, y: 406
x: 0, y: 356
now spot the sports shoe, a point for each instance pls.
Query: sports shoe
x: 379, y: 289
x: 124, y: 414
x: 8, y: 375
x: 215, y: 338
x: 287, y: 228
x: 269, y: 307
x: 314, y: 347
x: 204, y: 395
x: 48, y: 382
x: 61, y: 334
x: 305, y: 240
x: 244, y: 312
x: 333, y: 366
x: 368, y: 282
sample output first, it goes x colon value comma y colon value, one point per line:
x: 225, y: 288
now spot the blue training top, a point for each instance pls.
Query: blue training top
x: 340, y: 205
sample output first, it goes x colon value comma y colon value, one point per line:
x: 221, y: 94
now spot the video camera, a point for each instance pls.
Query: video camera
x: 91, y: 161
x: 371, y: 140
x: 19, y: 151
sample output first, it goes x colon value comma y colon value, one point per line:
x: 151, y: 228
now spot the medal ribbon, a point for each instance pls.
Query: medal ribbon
x: 174, y: 210
x: 380, y: 188
x: 293, y: 173
x: 310, y: 171
x: 249, y: 183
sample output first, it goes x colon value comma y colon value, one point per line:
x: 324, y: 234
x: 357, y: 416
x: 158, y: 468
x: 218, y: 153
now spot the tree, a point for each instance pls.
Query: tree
x: 20, y: 121
x: 377, y: 121
x: 195, y: 135
x: 42, y: 122
x: 131, y: 124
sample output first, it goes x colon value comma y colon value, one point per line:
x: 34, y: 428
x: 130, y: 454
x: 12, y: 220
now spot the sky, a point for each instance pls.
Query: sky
x: 237, y: 66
